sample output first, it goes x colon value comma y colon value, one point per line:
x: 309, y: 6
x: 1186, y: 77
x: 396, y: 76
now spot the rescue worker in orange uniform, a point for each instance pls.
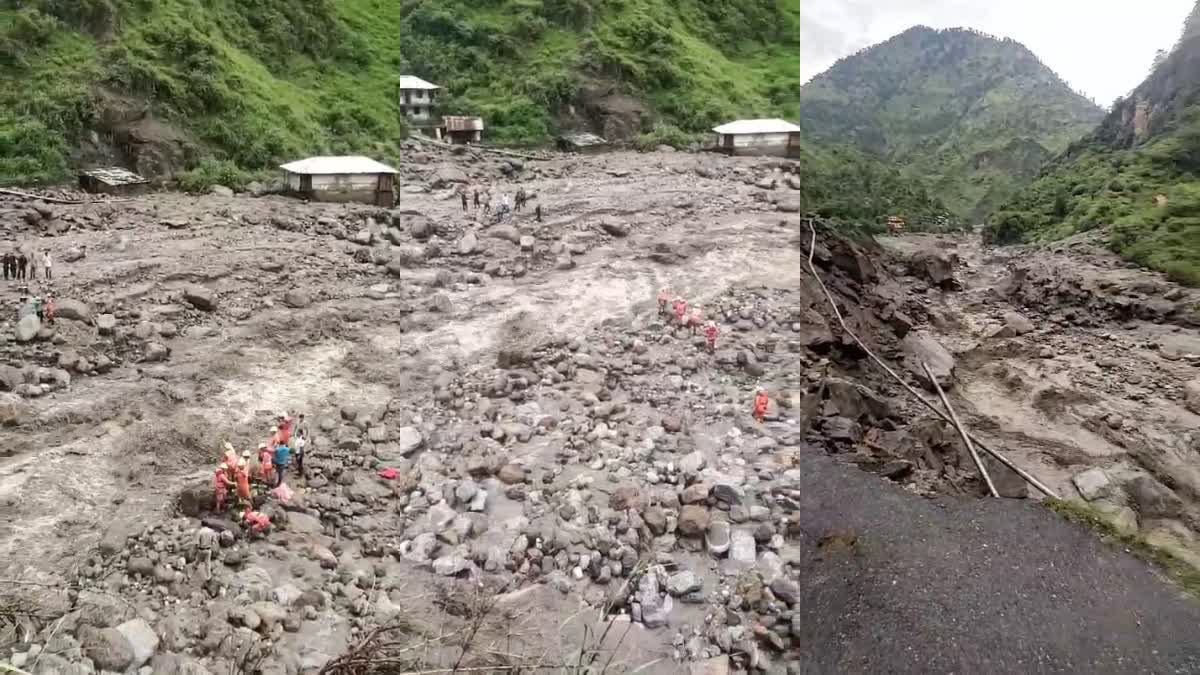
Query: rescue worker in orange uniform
x: 680, y: 307
x: 664, y: 297
x: 710, y: 336
x: 264, y: 462
x: 257, y: 522
x: 760, y: 404
x: 695, y: 320
x: 220, y: 487
x: 243, y: 479
x: 285, y: 429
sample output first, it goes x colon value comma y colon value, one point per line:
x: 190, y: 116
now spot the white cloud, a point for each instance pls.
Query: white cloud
x: 1102, y: 48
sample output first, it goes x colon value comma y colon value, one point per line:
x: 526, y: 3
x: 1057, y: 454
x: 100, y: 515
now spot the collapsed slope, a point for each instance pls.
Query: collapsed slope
x: 159, y: 86
x: 972, y: 116
x: 1134, y: 176
x: 531, y: 68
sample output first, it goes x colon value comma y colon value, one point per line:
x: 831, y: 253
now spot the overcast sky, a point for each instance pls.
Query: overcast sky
x: 1102, y: 48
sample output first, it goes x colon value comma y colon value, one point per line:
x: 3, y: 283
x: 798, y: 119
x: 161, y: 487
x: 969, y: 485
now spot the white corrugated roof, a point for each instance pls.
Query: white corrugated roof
x: 336, y: 165
x: 756, y: 127
x: 411, y: 82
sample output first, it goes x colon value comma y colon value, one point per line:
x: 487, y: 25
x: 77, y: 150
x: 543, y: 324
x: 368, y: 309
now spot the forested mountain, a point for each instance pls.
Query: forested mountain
x: 845, y: 184
x: 158, y: 84
x: 972, y: 116
x: 533, y: 67
x: 1137, y: 171
x: 161, y: 85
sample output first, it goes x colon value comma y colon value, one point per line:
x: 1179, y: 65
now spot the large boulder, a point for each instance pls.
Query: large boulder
x: 934, y: 265
x: 1093, y: 483
x: 297, y: 298
x: 200, y: 297
x: 28, y: 327
x: 1191, y: 392
x: 447, y: 175
x: 108, y: 648
x: 920, y: 347
x: 1153, y: 499
x: 409, y: 440
x: 1014, y: 324
x: 75, y: 310
x: 141, y: 638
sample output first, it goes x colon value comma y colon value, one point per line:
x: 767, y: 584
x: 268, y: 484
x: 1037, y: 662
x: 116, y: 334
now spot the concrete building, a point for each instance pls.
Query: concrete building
x: 341, y: 179
x: 112, y: 181
x: 461, y: 130
x: 759, y: 137
x: 417, y: 101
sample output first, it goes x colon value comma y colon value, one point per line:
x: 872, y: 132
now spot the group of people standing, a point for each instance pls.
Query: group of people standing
x: 18, y: 265
x: 288, y: 438
x: 675, y: 308
x: 505, y: 206
x: 675, y: 305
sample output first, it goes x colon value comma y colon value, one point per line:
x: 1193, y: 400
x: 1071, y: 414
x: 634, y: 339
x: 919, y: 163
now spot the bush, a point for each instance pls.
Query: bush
x: 666, y: 134
x: 210, y: 172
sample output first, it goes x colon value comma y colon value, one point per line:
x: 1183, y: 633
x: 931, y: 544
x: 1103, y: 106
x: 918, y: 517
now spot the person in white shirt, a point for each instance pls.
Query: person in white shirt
x: 46, y: 265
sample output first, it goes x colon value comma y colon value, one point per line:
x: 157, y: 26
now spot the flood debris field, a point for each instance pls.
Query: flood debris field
x: 577, y: 484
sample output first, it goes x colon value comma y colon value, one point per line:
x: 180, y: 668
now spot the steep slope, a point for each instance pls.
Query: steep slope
x: 844, y: 184
x: 531, y: 67
x: 972, y: 115
x: 1137, y: 172
x: 159, y: 85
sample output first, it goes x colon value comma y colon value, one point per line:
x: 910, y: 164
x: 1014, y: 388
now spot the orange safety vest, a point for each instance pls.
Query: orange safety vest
x: 760, y: 404
x: 243, y: 483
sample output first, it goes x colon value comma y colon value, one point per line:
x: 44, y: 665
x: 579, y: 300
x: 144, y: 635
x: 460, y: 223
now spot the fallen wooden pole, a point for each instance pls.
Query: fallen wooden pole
x: 482, y: 148
x: 56, y: 200
x: 812, y: 247
x: 962, y: 432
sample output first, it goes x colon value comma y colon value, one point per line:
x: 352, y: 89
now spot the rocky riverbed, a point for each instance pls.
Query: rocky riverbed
x: 573, y: 477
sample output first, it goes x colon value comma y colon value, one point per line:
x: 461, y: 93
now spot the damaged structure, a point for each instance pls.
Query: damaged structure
x: 461, y: 130
x: 758, y: 137
x: 341, y: 179
x: 583, y: 143
x: 112, y: 181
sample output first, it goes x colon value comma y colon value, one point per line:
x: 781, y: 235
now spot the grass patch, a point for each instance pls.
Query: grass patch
x: 1179, y: 570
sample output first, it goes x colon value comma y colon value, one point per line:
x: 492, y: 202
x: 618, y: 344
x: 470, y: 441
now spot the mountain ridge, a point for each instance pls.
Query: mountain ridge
x: 1134, y: 176
x: 970, y: 114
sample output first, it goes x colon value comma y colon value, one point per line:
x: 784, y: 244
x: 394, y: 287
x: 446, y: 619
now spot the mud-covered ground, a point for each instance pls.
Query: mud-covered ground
x: 554, y: 440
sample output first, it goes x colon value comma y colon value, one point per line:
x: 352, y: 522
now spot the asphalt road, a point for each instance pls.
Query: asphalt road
x: 972, y: 586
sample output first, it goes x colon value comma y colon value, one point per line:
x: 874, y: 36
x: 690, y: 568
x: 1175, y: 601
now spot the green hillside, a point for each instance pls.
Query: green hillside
x: 972, y: 116
x: 524, y: 64
x: 843, y: 184
x: 1136, y: 175
x: 245, y: 83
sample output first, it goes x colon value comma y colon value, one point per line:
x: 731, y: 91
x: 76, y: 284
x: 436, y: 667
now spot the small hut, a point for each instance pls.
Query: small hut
x: 462, y: 130
x: 112, y: 181
x: 759, y: 137
x: 341, y: 179
x: 583, y: 143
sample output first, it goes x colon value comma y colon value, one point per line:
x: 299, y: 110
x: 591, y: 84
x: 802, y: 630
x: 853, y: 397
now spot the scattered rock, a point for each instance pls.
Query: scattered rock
x: 200, y: 297
x: 921, y: 347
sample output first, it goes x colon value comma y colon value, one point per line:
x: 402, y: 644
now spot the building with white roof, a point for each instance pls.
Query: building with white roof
x: 417, y: 101
x: 341, y: 179
x: 759, y: 137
